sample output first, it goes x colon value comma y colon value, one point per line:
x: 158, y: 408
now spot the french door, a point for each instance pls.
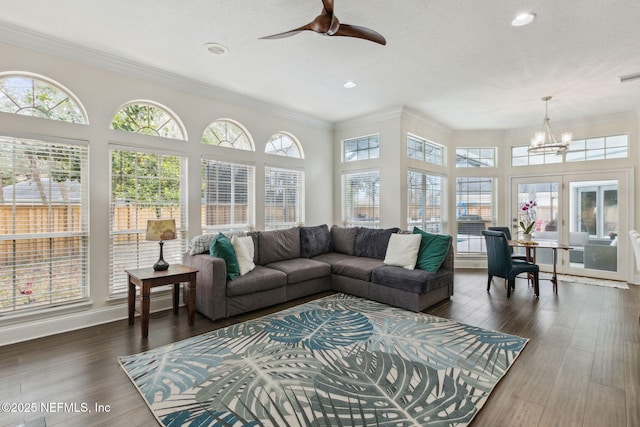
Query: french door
x: 591, y: 215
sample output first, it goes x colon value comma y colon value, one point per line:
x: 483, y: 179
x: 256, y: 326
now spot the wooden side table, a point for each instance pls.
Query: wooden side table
x: 147, y: 278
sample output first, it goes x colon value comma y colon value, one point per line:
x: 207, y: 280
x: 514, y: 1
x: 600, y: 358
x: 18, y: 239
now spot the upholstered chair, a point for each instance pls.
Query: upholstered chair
x: 500, y: 263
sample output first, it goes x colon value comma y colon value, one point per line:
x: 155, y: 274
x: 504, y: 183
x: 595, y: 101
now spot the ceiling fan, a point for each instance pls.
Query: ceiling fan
x: 327, y: 24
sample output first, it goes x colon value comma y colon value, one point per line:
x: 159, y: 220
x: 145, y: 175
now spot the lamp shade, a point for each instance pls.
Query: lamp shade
x: 161, y: 229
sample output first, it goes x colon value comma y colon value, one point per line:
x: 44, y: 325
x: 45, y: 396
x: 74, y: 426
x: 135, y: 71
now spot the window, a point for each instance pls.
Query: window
x: 426, y: 151
x: 361, y: 198
x: 283, y: 198
x: 227, y: 133
x: 475, y: 157
x: 37, y: 97
x: 44, y: 221
x: 425, y: 198
x: 149, y: 119
x: 144, y: 185
x: 581, y: 150
x: 475, y: 209
x: 283, y: 144
x: 608, y: 147
x: 363, y: 148
x: 227, y: 196
x: 520, y: 156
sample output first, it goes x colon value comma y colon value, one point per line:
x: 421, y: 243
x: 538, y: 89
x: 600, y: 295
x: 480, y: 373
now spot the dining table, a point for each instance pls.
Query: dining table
x: 530, y: 253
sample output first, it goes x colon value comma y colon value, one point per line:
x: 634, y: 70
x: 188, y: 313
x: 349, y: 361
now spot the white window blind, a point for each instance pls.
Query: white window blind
x: 361, y: 198
x: 475, y: 210
x: 43, y: 223
x: 284, y: 198
x: 144, y: 185
x: 227, y: 196
x: 425, y: 199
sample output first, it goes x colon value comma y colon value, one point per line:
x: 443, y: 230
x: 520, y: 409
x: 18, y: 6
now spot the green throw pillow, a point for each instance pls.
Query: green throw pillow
x: 433, y: 250
x: 222, y: 248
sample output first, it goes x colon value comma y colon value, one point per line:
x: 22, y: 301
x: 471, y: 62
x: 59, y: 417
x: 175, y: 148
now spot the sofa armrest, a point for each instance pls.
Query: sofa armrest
x: 211, y: 288
x: 447, y: 264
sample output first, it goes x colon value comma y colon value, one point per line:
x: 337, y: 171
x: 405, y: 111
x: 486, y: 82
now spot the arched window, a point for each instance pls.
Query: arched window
x: 227, y: 133
x: 284, y: 144
x: 150, y: 119
x: 37, y: 96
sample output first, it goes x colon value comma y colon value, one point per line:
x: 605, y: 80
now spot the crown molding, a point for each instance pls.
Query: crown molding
x: 412, y: 114
x: 401, y: 113
x: 41, y: 43
x: 371, y: 118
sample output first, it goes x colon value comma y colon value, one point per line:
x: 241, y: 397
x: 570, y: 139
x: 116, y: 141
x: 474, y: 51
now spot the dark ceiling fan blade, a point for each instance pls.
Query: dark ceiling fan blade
x: 347, y: 30
x: 328, y: 24
x: 328, y: 6
x: 289, y: 33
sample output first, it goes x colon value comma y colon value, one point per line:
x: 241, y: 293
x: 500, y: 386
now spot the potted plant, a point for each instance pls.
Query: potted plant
x: 528, y: 211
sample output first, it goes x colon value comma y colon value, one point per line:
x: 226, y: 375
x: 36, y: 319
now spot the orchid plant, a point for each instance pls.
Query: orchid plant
x: 528, y: 210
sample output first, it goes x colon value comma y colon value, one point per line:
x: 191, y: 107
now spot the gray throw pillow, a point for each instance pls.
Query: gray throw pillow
x: 373, y: 242
x: 279, y: 245
x: 343, y: 239
x: 314, y: 241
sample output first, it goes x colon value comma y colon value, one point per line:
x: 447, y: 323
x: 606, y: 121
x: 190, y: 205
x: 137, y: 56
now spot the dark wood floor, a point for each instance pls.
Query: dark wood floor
x: 581, y: 366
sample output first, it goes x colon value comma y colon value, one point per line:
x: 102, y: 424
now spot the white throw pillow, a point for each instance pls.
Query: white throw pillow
x: 244, y: 252
x: 403, y: 250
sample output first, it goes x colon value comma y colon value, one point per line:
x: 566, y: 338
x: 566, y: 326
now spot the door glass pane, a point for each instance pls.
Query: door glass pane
x: 594, y: 225
x: 545, y: 194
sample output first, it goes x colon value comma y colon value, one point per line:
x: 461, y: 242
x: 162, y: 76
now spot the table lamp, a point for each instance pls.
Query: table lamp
x: 161, y: 230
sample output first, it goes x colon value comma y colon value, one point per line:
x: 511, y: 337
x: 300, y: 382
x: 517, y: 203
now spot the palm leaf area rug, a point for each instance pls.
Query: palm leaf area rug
x: 336, y: 361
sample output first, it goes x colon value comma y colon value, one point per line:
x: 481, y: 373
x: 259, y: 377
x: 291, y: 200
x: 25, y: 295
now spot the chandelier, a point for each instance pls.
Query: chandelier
x: 544, y: 141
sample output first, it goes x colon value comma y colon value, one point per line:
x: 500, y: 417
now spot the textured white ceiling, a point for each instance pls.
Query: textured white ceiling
x: 457, y: 61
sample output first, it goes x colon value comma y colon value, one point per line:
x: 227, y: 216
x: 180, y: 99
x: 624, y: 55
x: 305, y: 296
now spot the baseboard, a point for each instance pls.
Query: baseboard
x: 29, y: 330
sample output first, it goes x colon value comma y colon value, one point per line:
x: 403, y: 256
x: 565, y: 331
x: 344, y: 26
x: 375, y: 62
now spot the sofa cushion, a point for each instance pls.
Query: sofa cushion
x: 257, y: 280
x: 343, y: 240
x: 301, y: 269
x: 433, y: 250
x: 314, y: 241
x: 278, y: 245
x: 221, y: 247
x: 244, y: 252
x: 334, y: 258
x: 415, y: 281
x: 372, y: 242
x: 357, y: 267
x: 402, y: 250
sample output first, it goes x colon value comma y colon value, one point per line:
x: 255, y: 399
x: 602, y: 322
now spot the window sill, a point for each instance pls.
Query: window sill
x: 36, y: 313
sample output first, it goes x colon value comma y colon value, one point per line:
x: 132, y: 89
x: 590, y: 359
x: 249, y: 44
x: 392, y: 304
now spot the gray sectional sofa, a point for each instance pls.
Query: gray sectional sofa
x: 302, y: 261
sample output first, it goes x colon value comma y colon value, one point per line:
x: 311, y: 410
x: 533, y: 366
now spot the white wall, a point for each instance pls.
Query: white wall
x: 102, y: 93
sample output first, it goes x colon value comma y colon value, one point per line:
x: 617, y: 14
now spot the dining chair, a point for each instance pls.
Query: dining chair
x: 500, y: 263
x: 507, y: 232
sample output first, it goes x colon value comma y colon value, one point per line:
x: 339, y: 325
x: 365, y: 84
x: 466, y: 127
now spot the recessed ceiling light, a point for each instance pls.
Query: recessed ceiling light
x: 523, y: 19
x: 216, y: 48
x: 350, y: 84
